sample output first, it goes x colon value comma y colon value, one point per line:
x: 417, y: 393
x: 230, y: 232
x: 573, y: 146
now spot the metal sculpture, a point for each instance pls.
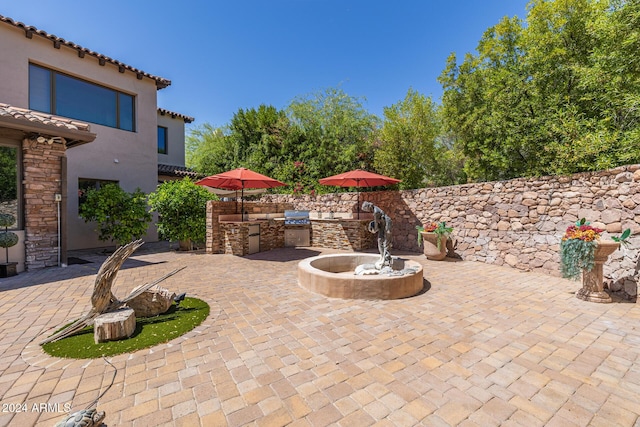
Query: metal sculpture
x: 381, y: 224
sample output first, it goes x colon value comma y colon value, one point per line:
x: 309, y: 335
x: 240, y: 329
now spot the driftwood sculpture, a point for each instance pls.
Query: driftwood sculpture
x: 103, y: 300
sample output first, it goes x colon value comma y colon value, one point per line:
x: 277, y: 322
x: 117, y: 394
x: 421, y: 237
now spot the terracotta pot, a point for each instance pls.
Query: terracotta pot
x: 430, y: 243
x: 185, y: 245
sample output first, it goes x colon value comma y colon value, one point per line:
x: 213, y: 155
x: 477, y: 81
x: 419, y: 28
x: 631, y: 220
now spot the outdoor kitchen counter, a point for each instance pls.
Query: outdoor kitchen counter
x: 238, y: 236
x: 350, y: 234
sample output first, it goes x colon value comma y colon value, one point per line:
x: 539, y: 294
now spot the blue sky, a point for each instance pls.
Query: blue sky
x: 231, y: 54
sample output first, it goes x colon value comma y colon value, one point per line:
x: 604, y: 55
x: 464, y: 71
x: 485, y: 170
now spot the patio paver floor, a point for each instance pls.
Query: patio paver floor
x: 482, y: 345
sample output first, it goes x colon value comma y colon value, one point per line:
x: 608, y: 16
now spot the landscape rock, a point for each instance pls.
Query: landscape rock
x: 152, y: 302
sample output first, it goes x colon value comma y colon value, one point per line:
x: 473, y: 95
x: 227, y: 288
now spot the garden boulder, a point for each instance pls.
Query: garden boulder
x: 152, y: 302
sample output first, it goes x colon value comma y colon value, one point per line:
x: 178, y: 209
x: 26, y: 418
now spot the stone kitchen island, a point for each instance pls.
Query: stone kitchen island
x: 260, y: 229
x: 340, y: 231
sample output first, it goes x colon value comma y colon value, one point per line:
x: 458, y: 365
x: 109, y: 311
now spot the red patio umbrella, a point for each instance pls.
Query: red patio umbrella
x: 358, y: 178
x: 239, y: 179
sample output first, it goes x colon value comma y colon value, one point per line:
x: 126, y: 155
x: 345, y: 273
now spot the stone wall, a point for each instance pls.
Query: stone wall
x: 517, y: 222
x: 42, y: 169
x: 345, y: 235
x: 229, y: 238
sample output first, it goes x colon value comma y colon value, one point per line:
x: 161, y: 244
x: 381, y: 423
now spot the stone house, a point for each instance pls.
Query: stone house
x: 73, y: 119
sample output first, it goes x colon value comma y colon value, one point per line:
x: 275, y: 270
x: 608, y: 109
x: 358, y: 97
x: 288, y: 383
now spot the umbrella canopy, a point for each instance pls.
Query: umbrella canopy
x: 239, y: 179
x: 358, y: 178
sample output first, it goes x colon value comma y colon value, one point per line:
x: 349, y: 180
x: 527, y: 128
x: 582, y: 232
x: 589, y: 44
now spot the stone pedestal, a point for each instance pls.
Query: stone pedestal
x: 114, y: 326
x: 593, y: 281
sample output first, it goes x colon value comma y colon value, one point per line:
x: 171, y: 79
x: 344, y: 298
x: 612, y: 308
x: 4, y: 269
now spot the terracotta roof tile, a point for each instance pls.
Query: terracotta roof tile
x: 186, y: 119
x: 172, y: 170
x: 46, y: 119
x: 29, y: 31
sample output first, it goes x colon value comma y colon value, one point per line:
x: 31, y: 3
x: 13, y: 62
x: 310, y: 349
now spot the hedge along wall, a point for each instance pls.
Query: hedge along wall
x: 517, y: 222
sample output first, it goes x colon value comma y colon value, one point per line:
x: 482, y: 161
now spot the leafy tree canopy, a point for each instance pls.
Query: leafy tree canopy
x: 549, y: 96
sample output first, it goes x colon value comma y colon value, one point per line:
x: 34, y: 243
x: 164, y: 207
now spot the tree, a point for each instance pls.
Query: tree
x: 182, y: 209
x: 557, y: 95
x: 334, y: 134
x: 410, y: 144
x: 318, y: 135
x: 121, y: 216
x: 485, y: 105
x: 209, y: 150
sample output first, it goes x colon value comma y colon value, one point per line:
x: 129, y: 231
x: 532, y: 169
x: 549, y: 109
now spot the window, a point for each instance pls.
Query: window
x: 162, y: 140
x: 56, y: 93
x: 9, y: 170
x: 85, y: 184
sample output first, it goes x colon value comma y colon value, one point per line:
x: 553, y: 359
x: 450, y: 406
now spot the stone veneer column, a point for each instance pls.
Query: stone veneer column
x: 42, y: 177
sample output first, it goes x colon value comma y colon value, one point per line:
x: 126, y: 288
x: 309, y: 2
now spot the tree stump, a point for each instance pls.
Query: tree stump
x: 115, y: 325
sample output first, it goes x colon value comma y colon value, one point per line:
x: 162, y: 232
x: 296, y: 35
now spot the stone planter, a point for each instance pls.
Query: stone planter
x: 430, y: 244
x: 593, y: 281
x: 8, y: 269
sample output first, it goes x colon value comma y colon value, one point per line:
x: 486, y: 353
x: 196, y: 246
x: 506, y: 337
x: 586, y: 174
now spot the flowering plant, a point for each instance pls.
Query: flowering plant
x: 577, y: 249
x: 440, y: 228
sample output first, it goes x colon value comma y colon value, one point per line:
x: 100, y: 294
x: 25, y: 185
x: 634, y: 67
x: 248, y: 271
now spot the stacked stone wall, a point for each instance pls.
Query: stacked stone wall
x: 42, y: 171
x: 345, y: 235
x: 228, y: 238
x: 517, y: 222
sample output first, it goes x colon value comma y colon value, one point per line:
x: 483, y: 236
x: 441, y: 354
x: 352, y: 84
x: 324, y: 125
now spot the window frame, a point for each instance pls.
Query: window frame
x: 166, y: 140
x: 52, y: 93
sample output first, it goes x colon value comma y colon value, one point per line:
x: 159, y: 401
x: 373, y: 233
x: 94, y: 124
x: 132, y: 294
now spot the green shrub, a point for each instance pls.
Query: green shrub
x: 182, y: 210
x: 121, y: 216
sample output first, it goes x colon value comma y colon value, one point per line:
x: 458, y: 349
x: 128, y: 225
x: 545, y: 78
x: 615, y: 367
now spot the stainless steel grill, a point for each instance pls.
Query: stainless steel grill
x: 296, y: 217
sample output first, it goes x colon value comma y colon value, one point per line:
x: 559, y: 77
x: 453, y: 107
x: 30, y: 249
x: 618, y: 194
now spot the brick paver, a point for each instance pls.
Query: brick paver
x: 482, y: 345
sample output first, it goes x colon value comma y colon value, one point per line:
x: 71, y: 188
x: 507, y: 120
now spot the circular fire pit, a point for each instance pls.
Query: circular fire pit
x: 334, y: 276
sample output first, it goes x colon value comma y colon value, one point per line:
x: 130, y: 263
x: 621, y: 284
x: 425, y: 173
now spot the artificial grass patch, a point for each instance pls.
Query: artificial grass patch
x: 149, y: 331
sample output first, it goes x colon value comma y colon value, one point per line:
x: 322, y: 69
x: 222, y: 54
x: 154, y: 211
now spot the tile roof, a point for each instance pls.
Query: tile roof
x: 173, y: 115
x: 173, y: 170
x: 33, y: 123
x: 7, y: 110
x: 29, y: 31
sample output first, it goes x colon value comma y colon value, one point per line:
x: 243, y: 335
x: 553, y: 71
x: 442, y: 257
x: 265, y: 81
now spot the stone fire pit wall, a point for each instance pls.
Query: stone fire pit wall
x: 517, y: 222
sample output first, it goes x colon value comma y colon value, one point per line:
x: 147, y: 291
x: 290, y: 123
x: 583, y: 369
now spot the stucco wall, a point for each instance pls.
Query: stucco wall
x: 135, y: 152
x: 175, y: 140
x: 518, y: 222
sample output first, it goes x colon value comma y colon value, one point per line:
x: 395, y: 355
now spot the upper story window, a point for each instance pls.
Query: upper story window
x: 56, y: 93
x: 162, y: 140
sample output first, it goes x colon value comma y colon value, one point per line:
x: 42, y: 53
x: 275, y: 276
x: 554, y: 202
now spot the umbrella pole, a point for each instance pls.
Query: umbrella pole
x: 242, y: 213
x: 358, y: 196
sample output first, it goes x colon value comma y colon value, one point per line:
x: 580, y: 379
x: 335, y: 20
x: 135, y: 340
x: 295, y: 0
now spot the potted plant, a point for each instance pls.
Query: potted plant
x: 434, y: 236
x: 582, y: 251
x: 7, y: 240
